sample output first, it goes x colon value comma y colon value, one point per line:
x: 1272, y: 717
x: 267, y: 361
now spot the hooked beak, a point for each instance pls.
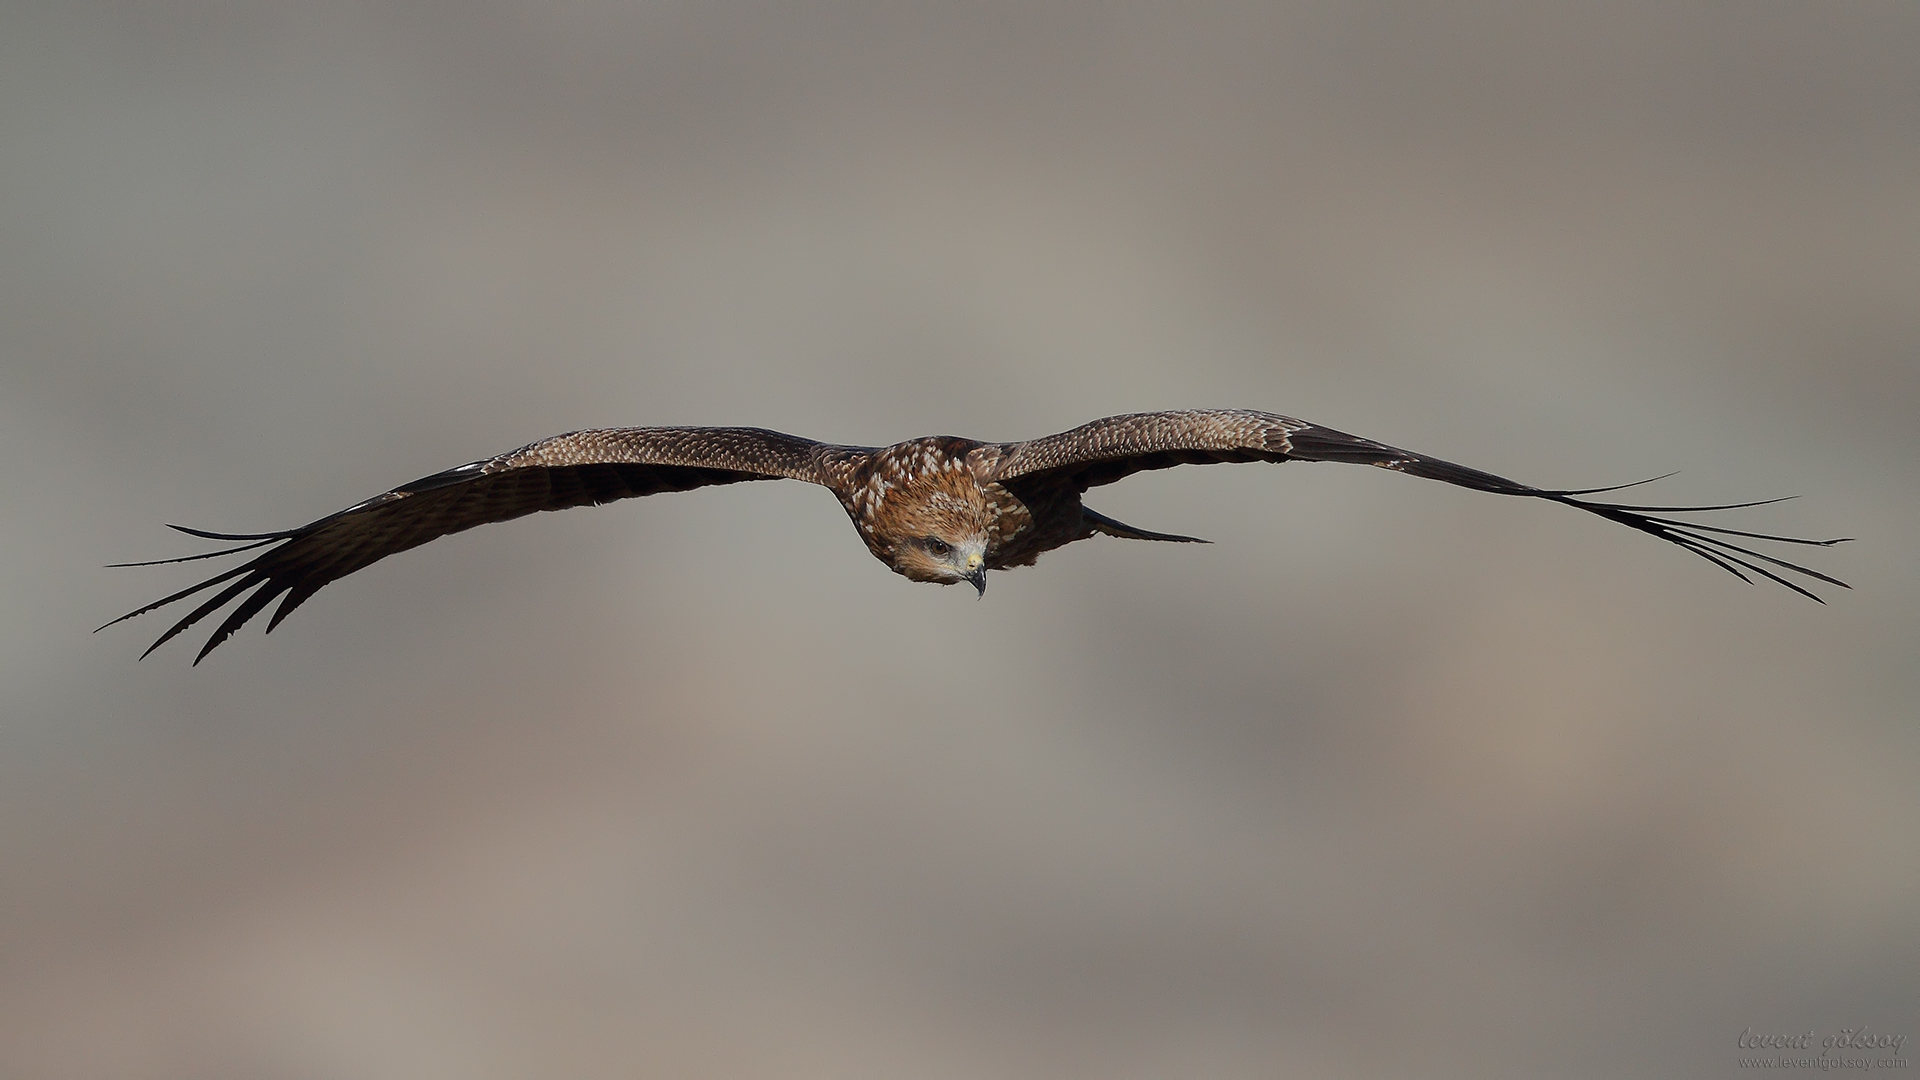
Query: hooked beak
x: 976, y: 573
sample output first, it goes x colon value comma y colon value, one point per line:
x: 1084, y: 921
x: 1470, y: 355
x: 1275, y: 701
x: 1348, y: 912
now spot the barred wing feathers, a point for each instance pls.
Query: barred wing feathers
x: 582, y: 468
x: 1116, y: 447
x: 1107, y: 450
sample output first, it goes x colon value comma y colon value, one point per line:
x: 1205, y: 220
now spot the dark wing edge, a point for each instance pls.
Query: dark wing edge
x: 582, y: 468
x: 1109, y: 449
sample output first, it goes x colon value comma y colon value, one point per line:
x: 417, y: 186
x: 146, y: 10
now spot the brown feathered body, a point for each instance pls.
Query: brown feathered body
x: 942, y: 489
x: 939, y: 509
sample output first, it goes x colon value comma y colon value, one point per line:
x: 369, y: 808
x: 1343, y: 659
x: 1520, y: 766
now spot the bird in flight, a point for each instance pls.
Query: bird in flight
x: 939, y: 509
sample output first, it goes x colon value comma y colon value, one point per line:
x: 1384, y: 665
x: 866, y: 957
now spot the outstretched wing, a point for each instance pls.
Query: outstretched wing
x: 1108, y: 450
x: 1119, y: 446
x: 581, y: 468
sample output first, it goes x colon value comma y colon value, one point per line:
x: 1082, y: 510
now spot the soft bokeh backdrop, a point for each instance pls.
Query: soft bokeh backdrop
x: 1393, y: 780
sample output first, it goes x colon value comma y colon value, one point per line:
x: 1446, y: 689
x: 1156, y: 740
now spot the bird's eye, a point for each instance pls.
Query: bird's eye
x: 937, y: 547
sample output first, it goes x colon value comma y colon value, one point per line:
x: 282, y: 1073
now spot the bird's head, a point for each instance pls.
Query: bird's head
x: 923, y: 514
x: 935, y: 558
x: 941, y: 537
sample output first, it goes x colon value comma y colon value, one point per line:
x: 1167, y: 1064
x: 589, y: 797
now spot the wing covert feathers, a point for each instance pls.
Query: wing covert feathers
x: 1118, y: 446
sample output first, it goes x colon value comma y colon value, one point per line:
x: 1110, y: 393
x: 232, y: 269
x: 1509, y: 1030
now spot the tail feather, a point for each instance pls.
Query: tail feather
x: 1104, y: 524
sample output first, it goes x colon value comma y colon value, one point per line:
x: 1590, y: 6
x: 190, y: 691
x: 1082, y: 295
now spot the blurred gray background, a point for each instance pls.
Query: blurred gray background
x: 1394, y: 779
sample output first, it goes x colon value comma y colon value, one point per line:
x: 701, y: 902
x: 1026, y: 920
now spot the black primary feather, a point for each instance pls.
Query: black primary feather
x: 1325, y: 444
